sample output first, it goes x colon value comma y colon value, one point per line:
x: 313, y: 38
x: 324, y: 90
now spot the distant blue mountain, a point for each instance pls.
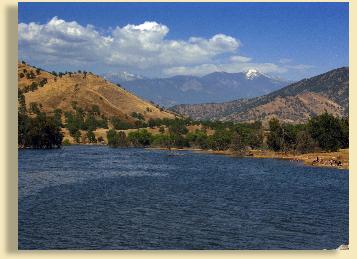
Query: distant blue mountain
x: 214, y: 87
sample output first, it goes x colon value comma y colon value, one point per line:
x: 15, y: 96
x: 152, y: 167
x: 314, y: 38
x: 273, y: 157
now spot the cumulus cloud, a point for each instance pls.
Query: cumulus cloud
x: 141, y: 46
x: 145, y: 45
x: 138, y: 48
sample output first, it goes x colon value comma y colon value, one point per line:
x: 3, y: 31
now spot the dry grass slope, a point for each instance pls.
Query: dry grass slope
x: 61, y: 92
x: 291, y: 109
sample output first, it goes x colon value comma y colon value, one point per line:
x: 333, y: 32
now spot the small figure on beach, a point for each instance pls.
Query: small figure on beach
x: 333, y: 162
x: 317, y: 160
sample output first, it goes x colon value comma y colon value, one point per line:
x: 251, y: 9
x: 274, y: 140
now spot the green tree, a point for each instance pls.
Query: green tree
x: 344, y: 133
x: 33, y: 86
x: 220, y: 140
x: 328, y: 131
x: 237, y: 143
x: 178, y: 128
x: 30, y: 75
x: 162, y: 129
x: 102, y: 123
x: 38, y: 132
x: 117, y: 139
x: 140, y: 137
x: 178, y: 141
x: 122, y: 140
x: 91, y: 137
x: 77, y: 136
x: 283, y: 137
x: 90, y: 122
x: 119, y: 124
x: 71, y: 124
x: 43, y: 82
x: 111, y: 136
x: 23, y: 128
x: 79, y: 118
x: 152, y: 123
x: 21, y: 102
x: 275, y: 139
x: 95, y: 109
x: 137, y: 115
x: 305, y: 143
x: 34, y: 108
x: 66, y: 142
x: 198, y: 138
x: 161, y: 140
x: 251, y: 134
x: 58, y: 117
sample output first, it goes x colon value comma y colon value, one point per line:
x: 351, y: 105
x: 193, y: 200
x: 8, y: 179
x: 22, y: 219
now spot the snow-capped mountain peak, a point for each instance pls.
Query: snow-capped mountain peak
x: 252, y: 73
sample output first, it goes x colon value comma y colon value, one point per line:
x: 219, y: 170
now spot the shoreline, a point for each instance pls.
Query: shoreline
x: 326, y: 159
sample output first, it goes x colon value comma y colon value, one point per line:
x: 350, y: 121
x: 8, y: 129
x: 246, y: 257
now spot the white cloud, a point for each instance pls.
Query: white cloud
x: 60, y: 41
x: 193, y: 70
x: 142, y: 48
x: 145, y: 45
x: 240, y: 59
x: 137, y: 46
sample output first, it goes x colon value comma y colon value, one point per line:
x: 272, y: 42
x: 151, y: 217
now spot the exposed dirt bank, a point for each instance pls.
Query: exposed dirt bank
x: 339, y: 159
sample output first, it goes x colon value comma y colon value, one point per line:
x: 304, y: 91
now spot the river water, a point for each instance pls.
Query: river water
x: 96, y: 197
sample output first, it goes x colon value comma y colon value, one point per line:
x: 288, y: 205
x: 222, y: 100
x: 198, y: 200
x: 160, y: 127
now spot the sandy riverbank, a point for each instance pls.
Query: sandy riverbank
x: 325, y: 159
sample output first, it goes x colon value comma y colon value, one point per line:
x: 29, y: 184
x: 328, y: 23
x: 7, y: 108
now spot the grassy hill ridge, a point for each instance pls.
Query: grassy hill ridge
x: 62, y: 90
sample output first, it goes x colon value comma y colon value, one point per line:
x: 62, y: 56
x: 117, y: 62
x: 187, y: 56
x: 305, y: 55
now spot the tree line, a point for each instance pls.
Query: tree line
x: 321, y: 133
x: 236, y: 137
x: 35, y: 128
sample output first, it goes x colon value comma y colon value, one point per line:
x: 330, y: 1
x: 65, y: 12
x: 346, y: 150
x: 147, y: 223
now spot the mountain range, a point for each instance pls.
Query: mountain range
x: 294, y: 103
x: 214, y: 87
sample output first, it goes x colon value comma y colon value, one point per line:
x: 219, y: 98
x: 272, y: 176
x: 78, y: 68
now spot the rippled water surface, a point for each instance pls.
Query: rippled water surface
x: 95, y: 197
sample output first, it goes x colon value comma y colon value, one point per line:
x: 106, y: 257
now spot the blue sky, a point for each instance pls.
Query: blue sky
x: 289, y: 40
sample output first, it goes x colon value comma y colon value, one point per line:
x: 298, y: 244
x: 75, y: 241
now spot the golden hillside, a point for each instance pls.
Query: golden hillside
x: 23, y: 70
x: 291, y: 109
x: 86, y: 90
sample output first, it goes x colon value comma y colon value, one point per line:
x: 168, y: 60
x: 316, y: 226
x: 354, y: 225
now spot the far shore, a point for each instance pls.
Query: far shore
x: 338, y: 159
x: 320, y: 159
